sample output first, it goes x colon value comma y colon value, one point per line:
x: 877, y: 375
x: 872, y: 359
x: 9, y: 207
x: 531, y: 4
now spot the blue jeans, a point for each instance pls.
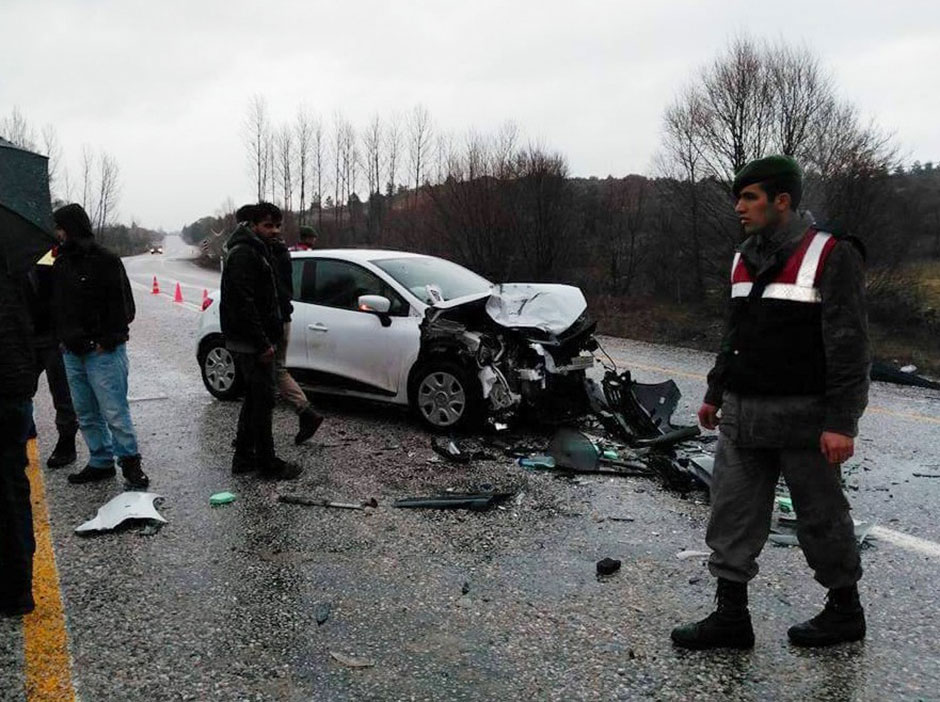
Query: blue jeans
x: 98, y: 382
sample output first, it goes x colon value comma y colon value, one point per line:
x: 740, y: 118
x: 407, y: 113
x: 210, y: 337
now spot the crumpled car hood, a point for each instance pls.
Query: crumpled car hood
x: 547, y: 307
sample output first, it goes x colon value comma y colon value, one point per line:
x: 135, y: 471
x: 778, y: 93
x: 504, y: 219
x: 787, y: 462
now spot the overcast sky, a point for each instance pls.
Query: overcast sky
x: 163, y: 86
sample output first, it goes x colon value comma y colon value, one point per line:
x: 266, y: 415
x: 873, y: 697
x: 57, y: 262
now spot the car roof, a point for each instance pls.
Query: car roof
x: 356, y: 255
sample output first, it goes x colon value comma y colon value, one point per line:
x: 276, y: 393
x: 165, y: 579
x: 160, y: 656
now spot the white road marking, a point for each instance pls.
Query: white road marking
x: 906, y: 541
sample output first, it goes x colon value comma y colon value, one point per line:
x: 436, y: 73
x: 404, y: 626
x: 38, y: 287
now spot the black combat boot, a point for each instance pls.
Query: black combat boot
x: 63, y: 453
x: 243, y: 463
x: 842, y: 619
x: 134, y: 477
x: 91, y: 474
x: 729, y: 626
x: 279, y: 469
x: 309, y: 422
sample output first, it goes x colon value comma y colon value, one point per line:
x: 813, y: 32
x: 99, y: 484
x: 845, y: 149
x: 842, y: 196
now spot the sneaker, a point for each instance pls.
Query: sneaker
x: 92, y: 474
x: 63, y: 453
x: 309, y: 422
x: 280, y: 469
x: 134, y: 476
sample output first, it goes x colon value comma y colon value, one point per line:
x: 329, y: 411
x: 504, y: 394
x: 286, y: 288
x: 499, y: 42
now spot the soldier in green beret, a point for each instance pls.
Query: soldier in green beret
x: 786, y: 393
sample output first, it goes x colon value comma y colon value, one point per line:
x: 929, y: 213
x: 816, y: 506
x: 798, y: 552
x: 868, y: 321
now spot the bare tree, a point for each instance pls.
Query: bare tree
x: 419, y: 145
x: 53, y: 149
x: 372, y: 150
x: 88, y: 165
x: 319, y: 149
x: 257, y: 139
x: 392, y: 149
x: 108, y: 191
x: 16, y: 129
x: 303, y: 131
x: 284, y: 162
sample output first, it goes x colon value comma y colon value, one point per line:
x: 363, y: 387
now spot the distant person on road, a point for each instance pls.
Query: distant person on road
x: 251, y: 322
x: 17, y: 386
x: 307, y: 239
x: 309, y: 420
x: 787, y: 390
x: 49, y: 359
x: 93, y: 308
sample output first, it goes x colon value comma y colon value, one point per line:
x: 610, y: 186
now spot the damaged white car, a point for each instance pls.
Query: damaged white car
x: 418, y: 330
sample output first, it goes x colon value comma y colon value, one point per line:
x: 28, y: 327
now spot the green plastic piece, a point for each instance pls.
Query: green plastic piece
x: 611, y: 455
x: 785, y: 504
x: 221, y: 498
x: 536, y: 462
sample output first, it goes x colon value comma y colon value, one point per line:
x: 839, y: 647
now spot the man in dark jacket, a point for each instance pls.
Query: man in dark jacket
x: 49, y: 359
x: 17, y: 386
x: 309, y: 420
x: 93, y: 307
x: 251, y: 322
x: 790, y: 382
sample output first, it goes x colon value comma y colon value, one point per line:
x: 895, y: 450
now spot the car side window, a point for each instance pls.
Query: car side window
x: 340, y: 283
x: 303, y: 279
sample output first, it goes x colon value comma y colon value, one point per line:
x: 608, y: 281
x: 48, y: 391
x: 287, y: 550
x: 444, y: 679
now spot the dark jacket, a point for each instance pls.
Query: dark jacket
x: 92, y: 301
x: 283, y: 274
x: 17, y: 364
x: 38, y: 294
x: 777, y: 421
x: 248, y: 309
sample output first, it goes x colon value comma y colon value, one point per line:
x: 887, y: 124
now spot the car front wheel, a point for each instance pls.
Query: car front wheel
x: 445, y: 396
x: 218, y: 370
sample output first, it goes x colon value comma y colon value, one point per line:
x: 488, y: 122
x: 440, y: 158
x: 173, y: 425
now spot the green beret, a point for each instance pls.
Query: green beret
x: 783, y: 171
x: 307, y: 231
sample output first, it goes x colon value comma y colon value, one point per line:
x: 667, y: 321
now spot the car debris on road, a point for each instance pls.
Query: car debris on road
x: 131, y: 505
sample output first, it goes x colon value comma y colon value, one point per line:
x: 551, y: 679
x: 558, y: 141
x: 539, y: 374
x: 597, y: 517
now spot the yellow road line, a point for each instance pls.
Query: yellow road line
x: 46, y: 645
x: 698, y: 376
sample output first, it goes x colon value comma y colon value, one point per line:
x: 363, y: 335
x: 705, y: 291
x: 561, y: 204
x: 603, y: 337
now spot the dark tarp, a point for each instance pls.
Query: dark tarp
x: 25, y: 207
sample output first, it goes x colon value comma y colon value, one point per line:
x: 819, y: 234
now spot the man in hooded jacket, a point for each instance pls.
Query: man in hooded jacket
x: 93, y: 308
x: 251, y: 320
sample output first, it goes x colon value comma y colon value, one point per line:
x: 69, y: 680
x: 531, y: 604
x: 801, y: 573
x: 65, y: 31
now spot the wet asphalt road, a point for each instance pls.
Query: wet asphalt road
x: 221, y: 603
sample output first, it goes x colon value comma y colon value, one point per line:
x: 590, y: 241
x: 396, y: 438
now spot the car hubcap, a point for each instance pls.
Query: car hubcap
x: 441, y: 399
x: 220, y: 369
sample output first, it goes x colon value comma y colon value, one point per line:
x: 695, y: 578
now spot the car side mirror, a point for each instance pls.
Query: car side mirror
x: 378, y: 305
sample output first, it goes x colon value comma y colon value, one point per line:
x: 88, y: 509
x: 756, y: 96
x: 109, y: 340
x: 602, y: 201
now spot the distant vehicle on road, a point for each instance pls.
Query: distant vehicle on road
x: 157, y: 249
x: 416, y: 330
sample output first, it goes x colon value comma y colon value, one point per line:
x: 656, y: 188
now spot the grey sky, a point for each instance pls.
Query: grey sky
x: 163, y: 86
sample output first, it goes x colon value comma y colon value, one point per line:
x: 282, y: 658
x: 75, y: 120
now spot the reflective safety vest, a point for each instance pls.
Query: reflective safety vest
x: 775, y: 344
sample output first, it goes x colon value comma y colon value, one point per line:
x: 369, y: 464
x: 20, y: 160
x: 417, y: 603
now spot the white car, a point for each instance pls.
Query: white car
x: 417, y: 330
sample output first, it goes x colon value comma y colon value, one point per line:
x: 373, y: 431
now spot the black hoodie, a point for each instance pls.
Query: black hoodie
x: 248, y: 310
x: 92, y: 301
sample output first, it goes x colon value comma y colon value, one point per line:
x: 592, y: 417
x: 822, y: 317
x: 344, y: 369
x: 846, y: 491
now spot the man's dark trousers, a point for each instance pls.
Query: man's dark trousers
x: 254, y: 436
x: 17, y: 543
x: 49, y: 359
x: 742, y: 495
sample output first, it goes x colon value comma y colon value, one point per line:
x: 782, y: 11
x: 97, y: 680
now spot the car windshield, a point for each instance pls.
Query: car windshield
x: 420, y: 274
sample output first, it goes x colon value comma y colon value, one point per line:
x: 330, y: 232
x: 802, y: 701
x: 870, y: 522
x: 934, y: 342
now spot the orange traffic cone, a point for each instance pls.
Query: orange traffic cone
x: 156, y: 287
x: 205, y: 296
x: 178, y: 295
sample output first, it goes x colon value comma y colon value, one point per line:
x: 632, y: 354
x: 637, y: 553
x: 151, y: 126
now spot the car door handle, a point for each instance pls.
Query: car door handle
x: 318, y: 327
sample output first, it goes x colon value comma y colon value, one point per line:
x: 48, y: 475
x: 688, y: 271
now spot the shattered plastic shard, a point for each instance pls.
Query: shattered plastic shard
x: 127, y: 505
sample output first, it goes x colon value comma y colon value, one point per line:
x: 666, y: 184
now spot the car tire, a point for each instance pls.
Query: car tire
x: 217, y: 366
x: 445, y: 396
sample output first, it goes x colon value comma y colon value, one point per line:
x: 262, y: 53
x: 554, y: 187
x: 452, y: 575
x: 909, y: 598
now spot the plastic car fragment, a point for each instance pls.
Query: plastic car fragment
x: 127, y: 505
x: 464, y: 500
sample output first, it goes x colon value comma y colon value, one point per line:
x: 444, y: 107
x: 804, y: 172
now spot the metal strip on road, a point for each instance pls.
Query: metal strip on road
x: 872, y: 408
x: 46, y: 655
